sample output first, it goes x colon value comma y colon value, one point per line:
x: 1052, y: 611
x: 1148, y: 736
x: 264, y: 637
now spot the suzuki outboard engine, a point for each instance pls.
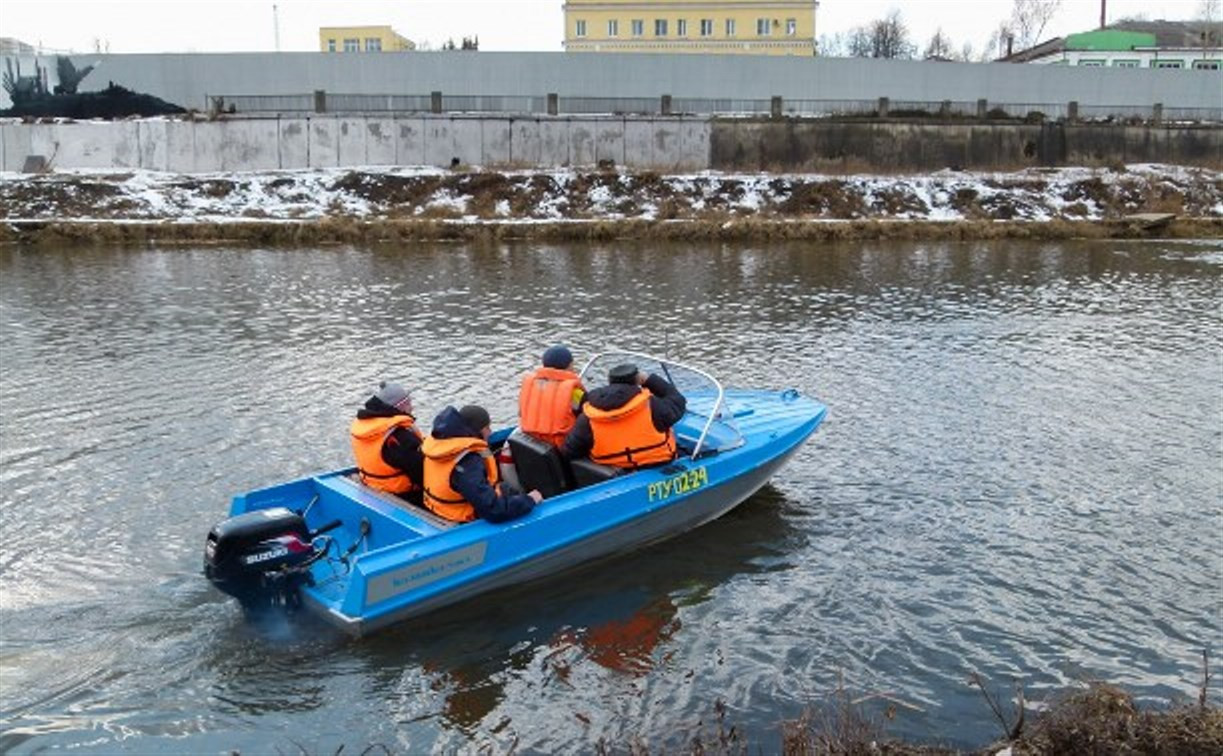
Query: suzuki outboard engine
x: 261, y: 557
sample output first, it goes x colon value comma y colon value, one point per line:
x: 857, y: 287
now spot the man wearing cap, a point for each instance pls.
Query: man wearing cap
x: 550, y: 398
x: 461, y: 474
x: 627, y: 423
x: 386, y: 443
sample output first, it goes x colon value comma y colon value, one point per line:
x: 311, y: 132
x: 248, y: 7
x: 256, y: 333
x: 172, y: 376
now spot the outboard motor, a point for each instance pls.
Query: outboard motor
x: 262, y: 557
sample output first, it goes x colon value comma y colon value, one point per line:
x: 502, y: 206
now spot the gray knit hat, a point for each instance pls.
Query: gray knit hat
x: 394, y: 395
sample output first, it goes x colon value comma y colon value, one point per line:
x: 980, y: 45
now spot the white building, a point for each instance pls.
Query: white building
x: 1134, y: 44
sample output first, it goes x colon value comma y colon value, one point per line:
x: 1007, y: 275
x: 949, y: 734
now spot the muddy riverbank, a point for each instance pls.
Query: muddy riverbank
x: 349, y: 231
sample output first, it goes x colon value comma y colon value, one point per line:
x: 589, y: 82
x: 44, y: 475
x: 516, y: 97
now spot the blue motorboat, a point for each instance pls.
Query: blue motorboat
x: 362, y: 559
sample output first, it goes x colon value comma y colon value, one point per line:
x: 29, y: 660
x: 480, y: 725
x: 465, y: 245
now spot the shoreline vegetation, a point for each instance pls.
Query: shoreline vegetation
x: 1096, y: 718
x: 344, y: 230
x: 401, y: 204
x: 328, y: 231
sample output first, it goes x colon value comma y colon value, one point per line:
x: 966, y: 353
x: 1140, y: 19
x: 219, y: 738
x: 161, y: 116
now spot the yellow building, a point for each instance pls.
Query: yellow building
x: 752, y: 27
x: 362, y: 39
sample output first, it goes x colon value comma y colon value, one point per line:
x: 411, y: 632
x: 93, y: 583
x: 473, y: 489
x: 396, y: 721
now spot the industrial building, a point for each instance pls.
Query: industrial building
x: 1194, y: 45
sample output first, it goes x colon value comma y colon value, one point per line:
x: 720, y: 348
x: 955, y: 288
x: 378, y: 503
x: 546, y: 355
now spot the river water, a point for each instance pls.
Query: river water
x: 1021, y: 477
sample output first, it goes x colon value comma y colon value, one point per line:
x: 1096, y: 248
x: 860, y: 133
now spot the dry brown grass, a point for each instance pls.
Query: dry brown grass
x: 723, y: 227
x: 1104, y: 720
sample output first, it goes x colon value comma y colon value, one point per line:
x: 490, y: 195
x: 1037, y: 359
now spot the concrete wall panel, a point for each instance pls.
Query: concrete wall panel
x: 693, y: 152
x: 609, y: 141
x: 379, y: 141
x: 350, y: 137
x: 582, y: 142
x: 151, y: 138
x: 294, y: 143
x: 638, y: 143
x: 495, y: 137
x: 324, y: 142
x: 554, y: 141
x: 248, y: 145
x: 667, y: 144
x: 206, y: 147
x: 525, y: 145
x: 180, y: 146
x: 410, y: 140
x: 468, y: 137
x: 439, y: 141
x: 16, y: 139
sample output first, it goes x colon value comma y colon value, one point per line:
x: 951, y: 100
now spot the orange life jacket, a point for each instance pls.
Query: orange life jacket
x: 547, y: 403
x: 626, y: 436
x: 441, y: 456
x: 368, y: 436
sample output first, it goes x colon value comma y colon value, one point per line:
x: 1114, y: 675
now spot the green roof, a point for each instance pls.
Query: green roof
x: 1109, y: 39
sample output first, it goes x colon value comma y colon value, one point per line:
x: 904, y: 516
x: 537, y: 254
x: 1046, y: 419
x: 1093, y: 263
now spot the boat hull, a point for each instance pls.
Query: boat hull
x: 648, y: 529
x: 389, y: 561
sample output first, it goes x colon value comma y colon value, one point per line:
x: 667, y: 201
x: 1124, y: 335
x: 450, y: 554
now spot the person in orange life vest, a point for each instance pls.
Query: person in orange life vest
x: 461, y: 480
x: 386, y: 443
x: 627, y: 423
x: 550, y: 398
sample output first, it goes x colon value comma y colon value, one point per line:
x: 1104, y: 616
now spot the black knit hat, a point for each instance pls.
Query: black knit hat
x: 476, y: 417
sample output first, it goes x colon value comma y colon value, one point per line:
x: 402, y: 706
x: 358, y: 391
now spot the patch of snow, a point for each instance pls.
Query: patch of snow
x: 1035, y: 194
x: 447, y: 199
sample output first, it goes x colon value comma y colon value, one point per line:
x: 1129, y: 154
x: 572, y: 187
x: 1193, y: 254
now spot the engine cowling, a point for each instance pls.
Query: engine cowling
x: 259, y: 557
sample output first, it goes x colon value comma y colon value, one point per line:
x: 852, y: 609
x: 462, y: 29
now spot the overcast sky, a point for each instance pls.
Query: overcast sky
x: 247, y: 25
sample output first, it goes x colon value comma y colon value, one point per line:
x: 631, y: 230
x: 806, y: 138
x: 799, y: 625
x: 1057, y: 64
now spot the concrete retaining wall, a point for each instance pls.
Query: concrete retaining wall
x: 329, y: 142
x: 663, y: 144
x: 791, y: 145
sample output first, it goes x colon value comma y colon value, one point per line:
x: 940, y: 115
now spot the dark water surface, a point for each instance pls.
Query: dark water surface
x: 1020, y: 476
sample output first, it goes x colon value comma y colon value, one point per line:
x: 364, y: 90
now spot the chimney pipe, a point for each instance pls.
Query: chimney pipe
x: 1103, y: 4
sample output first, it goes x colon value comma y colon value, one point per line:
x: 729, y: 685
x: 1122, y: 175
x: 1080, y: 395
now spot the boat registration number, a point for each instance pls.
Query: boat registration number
x: 683, y: 483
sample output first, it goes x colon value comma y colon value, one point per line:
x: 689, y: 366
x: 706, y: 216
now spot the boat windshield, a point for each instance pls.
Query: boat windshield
x: 707, y: 427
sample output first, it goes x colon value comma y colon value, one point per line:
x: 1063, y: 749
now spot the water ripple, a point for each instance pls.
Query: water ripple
x: 1019, y: 478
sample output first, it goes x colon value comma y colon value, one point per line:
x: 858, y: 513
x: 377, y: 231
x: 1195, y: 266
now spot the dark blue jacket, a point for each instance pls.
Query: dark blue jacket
x: 667, y: 407
x: 469, y: 478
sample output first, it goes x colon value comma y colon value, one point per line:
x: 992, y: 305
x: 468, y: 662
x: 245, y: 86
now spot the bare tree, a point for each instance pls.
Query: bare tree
x: 832, y: 45
x: 939, y: 46
x: 886, y: 37
x: 858, y: 43
x: 1029, y: 19
x: 999, y: 44
x: 967, y: 53
x: 1210, y: 13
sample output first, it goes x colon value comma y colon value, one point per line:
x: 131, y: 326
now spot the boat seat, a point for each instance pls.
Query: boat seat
x: 437, y: 521
x: 539, y: 465
x: 587, y: 473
